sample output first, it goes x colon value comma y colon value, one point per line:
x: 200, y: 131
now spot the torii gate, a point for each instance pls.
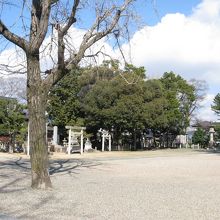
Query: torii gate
x: 73, y: 132
x: 105, y: 135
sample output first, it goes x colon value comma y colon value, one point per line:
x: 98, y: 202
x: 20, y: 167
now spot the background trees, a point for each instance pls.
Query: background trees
x: 180, y: 95
x: 216, y: 104
x: 125, y: 103
x: 63, y: 104
x: 200, y: 137
x: 12, y: 120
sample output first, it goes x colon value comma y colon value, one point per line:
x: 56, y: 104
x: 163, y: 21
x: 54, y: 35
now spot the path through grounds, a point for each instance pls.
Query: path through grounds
x: 177, y: 184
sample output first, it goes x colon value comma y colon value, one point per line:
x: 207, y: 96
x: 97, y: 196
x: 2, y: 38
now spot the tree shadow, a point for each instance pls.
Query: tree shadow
x: 14, y: 175
x: 14, y: 171
x: 55, y: 166
x: 70, y: 165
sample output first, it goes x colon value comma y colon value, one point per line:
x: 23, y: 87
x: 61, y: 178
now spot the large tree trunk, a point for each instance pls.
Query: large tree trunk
x: 37, y: 96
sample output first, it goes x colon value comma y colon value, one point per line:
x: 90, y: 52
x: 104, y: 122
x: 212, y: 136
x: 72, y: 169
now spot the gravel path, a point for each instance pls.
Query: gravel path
x: 172, y: 187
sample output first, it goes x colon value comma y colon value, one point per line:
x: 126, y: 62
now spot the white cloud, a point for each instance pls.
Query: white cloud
x: 12, y: 61
x: 207, y: 11
x: 73, y: 41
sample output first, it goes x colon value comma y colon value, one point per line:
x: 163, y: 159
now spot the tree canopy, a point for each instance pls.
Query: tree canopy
x: 123, y: 100
x: 180, y: 96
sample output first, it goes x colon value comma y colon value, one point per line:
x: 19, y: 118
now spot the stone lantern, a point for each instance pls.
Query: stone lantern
x: 211, y: 133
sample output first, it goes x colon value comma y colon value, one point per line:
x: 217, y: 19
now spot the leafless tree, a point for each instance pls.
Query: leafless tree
x: 53, y: 19
x: 201, y: 88
x: 13, y: 87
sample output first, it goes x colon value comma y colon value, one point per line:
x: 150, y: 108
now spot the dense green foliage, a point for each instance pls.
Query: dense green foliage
x: 12, y: 118
x: 122, y: 100
x: 200, y: 137
x: 64, y: 105
x: 180, y: 96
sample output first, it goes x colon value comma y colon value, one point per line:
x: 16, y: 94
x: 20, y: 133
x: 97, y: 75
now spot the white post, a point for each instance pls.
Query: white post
x: 103, y: 142
x: 109, y: 143
x: 55, y: 135
x: 81, y: 142
x: 211, y: 138
x: 69, y: 142
x: 46, y: 133
x: 28, y: 141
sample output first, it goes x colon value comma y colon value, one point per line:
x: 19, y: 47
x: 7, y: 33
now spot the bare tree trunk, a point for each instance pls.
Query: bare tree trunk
x: 37, y: 96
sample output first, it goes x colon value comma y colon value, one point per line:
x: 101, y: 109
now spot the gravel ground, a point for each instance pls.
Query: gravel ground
x: 180, y: 186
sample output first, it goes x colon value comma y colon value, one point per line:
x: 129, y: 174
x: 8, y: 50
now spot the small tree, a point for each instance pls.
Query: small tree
x: 216, y: 104
x: 200, y: 137
x: 12, y: 119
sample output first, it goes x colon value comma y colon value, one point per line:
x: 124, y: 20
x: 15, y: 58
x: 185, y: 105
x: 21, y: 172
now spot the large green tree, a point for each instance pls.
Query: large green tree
x: 180, y: 95
x: 110, y: 97
x: 64, y: 105
x: 127, y: 102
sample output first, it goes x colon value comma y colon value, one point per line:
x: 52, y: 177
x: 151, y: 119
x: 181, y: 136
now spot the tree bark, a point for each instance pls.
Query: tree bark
x: 36, y: 97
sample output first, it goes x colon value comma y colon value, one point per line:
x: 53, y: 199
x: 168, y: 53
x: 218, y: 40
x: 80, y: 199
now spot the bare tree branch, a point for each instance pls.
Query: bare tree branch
x: 62, y: 32
x: 21, y: 42
x: 90, y: 38
x: 39, y: 20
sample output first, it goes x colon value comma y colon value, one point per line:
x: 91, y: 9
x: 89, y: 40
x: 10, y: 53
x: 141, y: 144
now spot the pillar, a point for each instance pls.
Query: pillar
x: 211, y: 132
x: 69, y: 142
x: 81, y: 142
x: 103, y: 142
x: 55, y: 135
x: 28, y: 141
x: 109, y: 143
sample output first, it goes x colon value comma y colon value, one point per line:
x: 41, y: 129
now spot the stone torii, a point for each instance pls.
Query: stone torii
x: 75, y: 131
x: 105, y: 135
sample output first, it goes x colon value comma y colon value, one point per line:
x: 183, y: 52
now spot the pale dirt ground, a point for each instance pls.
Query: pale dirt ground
x: 168, y: 184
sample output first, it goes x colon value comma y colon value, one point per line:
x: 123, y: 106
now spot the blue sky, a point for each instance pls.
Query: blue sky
x: 146, y: 8
x: 153, y: 11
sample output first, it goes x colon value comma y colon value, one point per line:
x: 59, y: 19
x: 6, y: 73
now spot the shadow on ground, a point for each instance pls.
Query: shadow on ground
x: 15, y: 181
x: 13, y: 171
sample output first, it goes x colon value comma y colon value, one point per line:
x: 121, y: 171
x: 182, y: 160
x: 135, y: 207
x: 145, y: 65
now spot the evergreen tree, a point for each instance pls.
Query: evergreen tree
x: 200, y: 137
x: 216, y: 104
